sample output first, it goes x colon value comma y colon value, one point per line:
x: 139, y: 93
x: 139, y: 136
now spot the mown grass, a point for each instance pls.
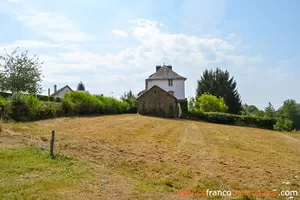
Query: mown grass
x: 29, y: 173
x: 139, y: 157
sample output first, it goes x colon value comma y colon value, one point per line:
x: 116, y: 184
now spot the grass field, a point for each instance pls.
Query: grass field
x: 139, y: 157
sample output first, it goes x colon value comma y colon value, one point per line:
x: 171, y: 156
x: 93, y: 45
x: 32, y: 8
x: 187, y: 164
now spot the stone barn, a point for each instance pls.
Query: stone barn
x: 158, y: 102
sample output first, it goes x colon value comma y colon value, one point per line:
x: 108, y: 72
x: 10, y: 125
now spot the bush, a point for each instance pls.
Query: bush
x: 112, y: 105
x: 283, y: 125
x: 231, y: 119
x: 50, y: 110
x: 81, y: 103
x: 32, y: 106
x: 4, y: 108
x: 27, y: 108
x: 21, y: 107
x: 17, y: 107
x: 210, y: 103
x: 84, y: 103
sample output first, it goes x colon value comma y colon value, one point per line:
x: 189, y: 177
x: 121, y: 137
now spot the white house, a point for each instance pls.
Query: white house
x: 61, y: 92
x: 168, y: 80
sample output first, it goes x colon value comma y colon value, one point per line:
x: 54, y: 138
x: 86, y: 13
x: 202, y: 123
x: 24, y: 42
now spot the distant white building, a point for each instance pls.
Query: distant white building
x: 168, y: 80
x: 61, y: 92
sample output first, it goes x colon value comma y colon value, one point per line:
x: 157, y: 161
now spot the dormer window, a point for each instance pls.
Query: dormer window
x: 170, y: 82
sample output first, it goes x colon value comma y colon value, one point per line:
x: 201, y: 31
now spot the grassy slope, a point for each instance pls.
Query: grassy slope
x: 150, y: 157
x: 28, y: 173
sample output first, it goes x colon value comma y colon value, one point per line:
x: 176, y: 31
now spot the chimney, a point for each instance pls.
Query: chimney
x: 55, y: 88
x: 158, y: 67
x: 48, y: 92
x: 170, y: 67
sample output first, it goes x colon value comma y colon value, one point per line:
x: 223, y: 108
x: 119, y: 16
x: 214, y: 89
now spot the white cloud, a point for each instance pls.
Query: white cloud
x: 119, y: 33
x: 188, y: 54
x: 156, y: 46
x: 53, y: 25
x: 127, y: 68
x: 14, y: 1
x: 28, y: 44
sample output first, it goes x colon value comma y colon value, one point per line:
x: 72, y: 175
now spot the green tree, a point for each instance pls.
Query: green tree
x: 270, y: 111
x: 191, y: 104
x: 210, y: 103
x: 259, y: 113
x: 130, y: 98
x: 80, y: 86
x: 20, y: 73
x: 219, y: 83
x: 290, y: 110
x: 249, y: 109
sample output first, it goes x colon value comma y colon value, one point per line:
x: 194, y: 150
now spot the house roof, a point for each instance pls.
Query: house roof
x: 59, y: 90
x: 141, y: 92
x: 165, y: 73
x: 153, y: 87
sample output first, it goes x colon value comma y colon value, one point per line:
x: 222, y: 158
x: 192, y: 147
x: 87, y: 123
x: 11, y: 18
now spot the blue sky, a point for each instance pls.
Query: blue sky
x: 112, y: 46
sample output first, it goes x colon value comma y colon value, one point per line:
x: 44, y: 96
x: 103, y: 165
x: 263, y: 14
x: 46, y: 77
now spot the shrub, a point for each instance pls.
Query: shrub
x: 50, y: 110
x: 17, y: 107
x: 81, y: 103
x: 210, y: 103
x: 32, y: 106
x: 283, y: 125
x: 231, y: 119
x: 112, y: 105
x: 28, y: 107
x: 4, y: 108
x: 68, y: 106
x: 84, y: 103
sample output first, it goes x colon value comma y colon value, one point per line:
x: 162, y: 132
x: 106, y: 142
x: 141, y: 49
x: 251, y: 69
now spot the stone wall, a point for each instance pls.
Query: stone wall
x: 157, y: 102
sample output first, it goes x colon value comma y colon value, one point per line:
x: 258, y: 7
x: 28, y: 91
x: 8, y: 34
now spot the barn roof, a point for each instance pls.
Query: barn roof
x: 153, y: 87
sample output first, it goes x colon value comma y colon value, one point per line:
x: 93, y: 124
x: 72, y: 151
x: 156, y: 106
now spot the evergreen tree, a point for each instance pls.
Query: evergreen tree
x: 219, y: 83
x: 270, y: 111
x: 80, y: 86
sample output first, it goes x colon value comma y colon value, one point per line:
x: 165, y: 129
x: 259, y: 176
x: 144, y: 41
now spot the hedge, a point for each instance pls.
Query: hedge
x: 40, y: 97
x: 231, y: 119
x: 20, y: 107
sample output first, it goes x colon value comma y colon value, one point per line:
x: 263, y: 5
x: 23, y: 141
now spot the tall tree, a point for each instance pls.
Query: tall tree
x: 219, y: 83
x: 80, y: 86
x: 130, y: 98
x: 270, y: 111
x: 20, y: 73
x: 290, y: 110
x: 249, y: 109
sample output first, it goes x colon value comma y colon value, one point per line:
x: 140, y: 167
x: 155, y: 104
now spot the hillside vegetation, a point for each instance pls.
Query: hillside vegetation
x: 138, y: 157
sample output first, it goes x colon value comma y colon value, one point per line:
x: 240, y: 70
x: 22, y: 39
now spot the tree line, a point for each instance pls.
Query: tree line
x: 217, y: 92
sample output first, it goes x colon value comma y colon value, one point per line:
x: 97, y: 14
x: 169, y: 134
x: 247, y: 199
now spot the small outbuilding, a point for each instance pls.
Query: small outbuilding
x: 158, y: 102
x: 61, y: 92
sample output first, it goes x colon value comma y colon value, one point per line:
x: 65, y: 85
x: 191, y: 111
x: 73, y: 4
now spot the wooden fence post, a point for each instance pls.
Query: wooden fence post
x: 52, y: 145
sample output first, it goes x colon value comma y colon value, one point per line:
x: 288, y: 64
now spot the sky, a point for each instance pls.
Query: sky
x: 113, y: 46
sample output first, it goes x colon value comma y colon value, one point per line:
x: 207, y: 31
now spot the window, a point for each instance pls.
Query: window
x: 170, y: 81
